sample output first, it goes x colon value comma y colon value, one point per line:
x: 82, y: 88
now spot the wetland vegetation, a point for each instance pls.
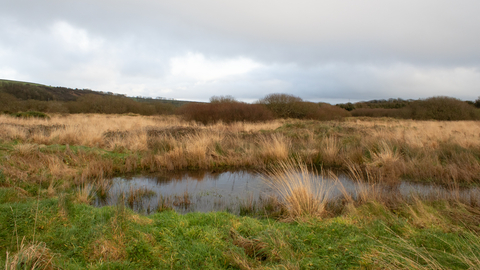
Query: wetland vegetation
x: 53, y: 168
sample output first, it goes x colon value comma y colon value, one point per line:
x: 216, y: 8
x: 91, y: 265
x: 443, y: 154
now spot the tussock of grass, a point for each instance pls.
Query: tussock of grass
x: 183, y: 200
x: 107, y: 250
x: 304, y: 194
x: 330, y: 150
x: 30, y: 256
x: 135, y: 195
x: 273, y: 148
x: 85, y: 194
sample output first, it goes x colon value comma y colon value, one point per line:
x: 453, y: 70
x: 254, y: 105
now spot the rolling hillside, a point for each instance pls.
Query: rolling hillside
x: 35, y: 91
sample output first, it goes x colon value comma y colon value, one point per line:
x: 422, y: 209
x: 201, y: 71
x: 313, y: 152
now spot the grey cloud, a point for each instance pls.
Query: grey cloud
x: 298, y: 31
x: 333, y: 50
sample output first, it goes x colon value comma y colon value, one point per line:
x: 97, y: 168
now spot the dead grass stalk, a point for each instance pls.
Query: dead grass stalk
x: 304, y: 193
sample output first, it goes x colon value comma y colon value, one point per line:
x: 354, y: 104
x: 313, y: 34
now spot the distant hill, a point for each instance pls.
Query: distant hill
x: 35, y: 91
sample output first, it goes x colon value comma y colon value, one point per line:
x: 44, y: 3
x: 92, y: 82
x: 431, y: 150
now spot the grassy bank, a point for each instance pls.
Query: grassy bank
x: 49, y: 168
x: 57, y: 233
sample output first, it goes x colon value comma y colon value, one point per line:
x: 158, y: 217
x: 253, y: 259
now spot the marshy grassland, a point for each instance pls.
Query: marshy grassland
x: 51, y: 168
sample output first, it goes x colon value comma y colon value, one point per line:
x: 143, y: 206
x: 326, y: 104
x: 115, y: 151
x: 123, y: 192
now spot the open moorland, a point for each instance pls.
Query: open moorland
x: 52, y: 168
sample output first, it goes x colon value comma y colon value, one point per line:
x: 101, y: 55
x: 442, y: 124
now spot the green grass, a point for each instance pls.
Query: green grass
x: 167, y: 239
x: 31, y: 114
x: 79, y: 236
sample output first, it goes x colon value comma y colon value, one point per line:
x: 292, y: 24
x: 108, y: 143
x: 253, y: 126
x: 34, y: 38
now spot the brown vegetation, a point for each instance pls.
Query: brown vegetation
x: 289, y: 106
x: 20, y: 97
x: 89, y: 148
x: 30, y: 256
x: 434, y: 108
x: 227, y: 111
x: 443, y: 108
x: 380, y: 112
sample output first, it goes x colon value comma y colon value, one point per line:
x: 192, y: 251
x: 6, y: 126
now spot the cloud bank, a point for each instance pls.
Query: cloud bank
x: 331, y: 51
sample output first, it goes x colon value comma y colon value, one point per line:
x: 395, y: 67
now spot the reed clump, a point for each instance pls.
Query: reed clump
x: 135, y: 195
x: 273, y: 148
x: 85, y: 194
x: 303, y: 193
x: 34, y: 255
x: 183, y: 200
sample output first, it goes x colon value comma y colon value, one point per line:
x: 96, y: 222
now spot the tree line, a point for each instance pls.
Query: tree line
x: 23, y: 97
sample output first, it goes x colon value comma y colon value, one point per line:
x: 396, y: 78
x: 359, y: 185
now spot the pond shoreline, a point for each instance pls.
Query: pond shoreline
x: 204, y: 191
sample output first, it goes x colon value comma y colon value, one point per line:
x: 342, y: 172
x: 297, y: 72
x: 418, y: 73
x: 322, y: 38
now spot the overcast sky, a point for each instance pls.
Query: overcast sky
x: 328, y: 50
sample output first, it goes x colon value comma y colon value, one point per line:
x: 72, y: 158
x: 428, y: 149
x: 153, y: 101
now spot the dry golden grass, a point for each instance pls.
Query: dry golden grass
x: 30, y: 256
x: 372, y: 186
x: 401, y: 253
x: 330, y: 149
x: 425, y: 134
x: 304, y: 193
x: 102, y: 186
x: 385, y: 149
x: 107, y: 250
x: 84, y: 194
x: 273, y: 148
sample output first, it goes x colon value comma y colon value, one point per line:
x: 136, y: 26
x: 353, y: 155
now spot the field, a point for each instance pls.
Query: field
x: 51, y: 168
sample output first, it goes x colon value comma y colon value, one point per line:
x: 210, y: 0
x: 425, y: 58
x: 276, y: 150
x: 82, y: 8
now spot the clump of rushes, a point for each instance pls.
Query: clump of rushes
x: 30, y: 256
x: 103, y: 185
x: 303, y: 193
x: 135, y: 196
x: 273, y: 148
x: 182, y: 200
x: 164, y: 203
x: 85, y: 194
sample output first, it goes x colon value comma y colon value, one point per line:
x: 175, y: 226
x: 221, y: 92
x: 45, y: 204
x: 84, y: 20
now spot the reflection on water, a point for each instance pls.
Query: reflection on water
x: 203, y: 191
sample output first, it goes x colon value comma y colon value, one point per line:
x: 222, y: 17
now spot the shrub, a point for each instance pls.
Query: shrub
x: 7, y: 102
x: 289, y: 106
x: 109, y: 104
x: 379, y: 112
x: 225, y: 111
x: 284, y: 105
x: 30, y: 114
x: 477, y: 103
x: 348, y: 106
x: 434, y: 108
x: 222, y: 99
x: 164, y: 108
x: 326, y: 112
x: 443, y: 108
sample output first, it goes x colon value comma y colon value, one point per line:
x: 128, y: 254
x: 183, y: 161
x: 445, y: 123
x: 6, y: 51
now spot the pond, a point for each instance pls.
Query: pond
x: 230, y: 191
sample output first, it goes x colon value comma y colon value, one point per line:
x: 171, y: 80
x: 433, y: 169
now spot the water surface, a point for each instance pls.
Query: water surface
x: 227, y: 191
